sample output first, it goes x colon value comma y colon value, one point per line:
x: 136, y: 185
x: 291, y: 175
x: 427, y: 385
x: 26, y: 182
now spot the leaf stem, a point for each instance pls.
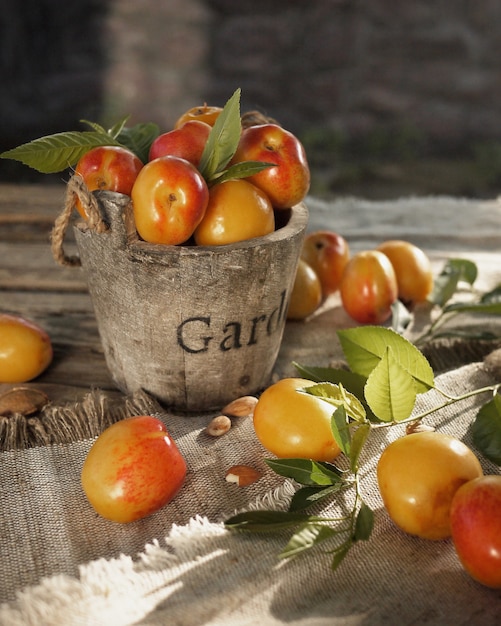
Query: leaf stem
x: 441, y: 319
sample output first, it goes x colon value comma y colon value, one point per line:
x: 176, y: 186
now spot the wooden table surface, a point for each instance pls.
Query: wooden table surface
x: 33, y: 285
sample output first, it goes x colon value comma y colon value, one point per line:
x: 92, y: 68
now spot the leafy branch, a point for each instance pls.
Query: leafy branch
x: 456, y: 273
x: 387, y: 373
x: 222, y: 144
x: 319, y: 481
x: 57, y: 152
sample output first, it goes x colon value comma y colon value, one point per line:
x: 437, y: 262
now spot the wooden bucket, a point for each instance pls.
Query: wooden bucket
x: 194, y: 326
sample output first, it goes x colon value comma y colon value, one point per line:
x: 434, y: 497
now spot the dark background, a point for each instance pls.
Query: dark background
x: 389, y: 98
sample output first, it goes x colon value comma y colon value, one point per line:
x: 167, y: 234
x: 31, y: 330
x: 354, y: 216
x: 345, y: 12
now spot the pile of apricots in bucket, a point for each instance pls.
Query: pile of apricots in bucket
x: 215, y: 178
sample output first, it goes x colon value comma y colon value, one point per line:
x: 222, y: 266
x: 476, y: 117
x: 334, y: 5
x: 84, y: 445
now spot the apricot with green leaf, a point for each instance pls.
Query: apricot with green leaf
x: 108, y: 168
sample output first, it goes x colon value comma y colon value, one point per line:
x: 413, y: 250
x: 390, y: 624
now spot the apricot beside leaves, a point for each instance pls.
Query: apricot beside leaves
x: 57, y: 152
x: 387, y: 373
x: 222, y: 144
x: 54, y: 153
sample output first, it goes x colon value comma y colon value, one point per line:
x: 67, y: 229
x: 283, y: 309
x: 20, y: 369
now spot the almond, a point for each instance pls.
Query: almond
x: 23, y: 401
x: 242, y: 475
x: 218, y: 426
x: 241, y: 407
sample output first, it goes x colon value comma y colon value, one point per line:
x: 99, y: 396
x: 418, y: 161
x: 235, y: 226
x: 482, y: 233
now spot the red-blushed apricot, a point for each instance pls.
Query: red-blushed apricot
x: 287, y: 181
x: 369, y: 287
x: 133, y: 469
x: 328, y: 254
x: 188, y: 142
x: 169, y: 200
x: 204, y: 113
x: 108, y: 168
x: 476, y: 528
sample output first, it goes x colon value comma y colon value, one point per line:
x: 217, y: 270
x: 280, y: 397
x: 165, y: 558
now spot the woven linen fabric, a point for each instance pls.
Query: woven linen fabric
x: 63, y: 565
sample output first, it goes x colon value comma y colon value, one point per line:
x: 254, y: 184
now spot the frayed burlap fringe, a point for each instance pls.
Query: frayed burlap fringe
x: 72, y: 422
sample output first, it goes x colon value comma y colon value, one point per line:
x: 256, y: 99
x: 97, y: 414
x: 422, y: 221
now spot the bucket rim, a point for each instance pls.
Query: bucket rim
x: 296, y: 224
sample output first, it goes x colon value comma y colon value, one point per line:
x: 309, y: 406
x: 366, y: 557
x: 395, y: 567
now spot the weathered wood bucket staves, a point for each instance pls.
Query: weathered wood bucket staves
x: 193, y: 326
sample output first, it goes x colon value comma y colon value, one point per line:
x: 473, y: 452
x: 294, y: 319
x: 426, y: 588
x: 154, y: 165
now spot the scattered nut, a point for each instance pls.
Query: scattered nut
x: 22, y: 401
x: 242, y: 475
x: 218, y: 426
x: 241, y: 407
x: 418, y: 427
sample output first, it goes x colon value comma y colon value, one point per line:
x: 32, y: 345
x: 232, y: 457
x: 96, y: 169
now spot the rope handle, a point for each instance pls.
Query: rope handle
x: 76, y: 189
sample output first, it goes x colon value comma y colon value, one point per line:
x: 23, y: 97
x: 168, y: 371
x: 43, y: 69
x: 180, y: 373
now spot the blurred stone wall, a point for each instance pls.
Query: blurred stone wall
x: 339, y: 66
x: 355, y: 66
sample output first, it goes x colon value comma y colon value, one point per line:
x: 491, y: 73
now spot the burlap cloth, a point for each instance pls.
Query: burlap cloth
x: 61, y: 564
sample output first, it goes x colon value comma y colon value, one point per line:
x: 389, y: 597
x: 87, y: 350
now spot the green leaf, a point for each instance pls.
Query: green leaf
x: 466, y: 269
x: 480, y: 308
x: 338, y: 396
x: 307, y: 496
x: 469, y: 334
x: 339, y: 555
x: 114, y: 131
x: 223, y: 139
x: 364, y: 523
x: 365, y: 346
x: 390, y: 389
x: 95, y: 126
x: 351, y: 381
x: 307, y: 537
x: 494, y: 295
x: 444, y: 287
x: 139, y: 138
x: 240, y: 170
x: 486, y: 430
x: 118, y: 127
x: 55, y: 153
x: 358, y: 439
x: 306, y: 471
x: 400, y: 316
x: 340, y: 430
x: 446, y: 283
x: 266, y: 521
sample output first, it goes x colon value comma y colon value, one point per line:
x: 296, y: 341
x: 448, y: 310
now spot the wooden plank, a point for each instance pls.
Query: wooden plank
x: 27, y: 213
x: 42, y: 200
x: 31, y: 266
x: 71, y: 324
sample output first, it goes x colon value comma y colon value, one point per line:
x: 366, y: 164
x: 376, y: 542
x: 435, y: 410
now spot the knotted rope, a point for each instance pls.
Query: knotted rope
x: 76, y: 189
